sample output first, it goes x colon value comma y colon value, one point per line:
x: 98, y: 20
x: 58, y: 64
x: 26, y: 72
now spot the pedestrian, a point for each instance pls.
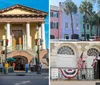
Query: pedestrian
x: 1, y: 67
x: 26, y: 67
x: 13, y: 66
x: 6, y: 67
x: 32, y: 67
x: 84, y: 70
x: 40, y: 67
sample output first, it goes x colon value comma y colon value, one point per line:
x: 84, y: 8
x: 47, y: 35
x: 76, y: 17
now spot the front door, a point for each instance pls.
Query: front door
x: 97, y: 70
x: 20, y: 62
x: 18, y: 36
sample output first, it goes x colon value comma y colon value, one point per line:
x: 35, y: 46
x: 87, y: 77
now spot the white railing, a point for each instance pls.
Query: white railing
x: 56, y: 74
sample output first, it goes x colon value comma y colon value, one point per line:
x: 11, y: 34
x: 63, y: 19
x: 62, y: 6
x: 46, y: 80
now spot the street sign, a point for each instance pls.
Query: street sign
x: 3, y: 57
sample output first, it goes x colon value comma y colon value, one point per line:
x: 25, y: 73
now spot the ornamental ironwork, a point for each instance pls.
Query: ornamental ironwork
x: 92, y: 52
x: 65, y: 50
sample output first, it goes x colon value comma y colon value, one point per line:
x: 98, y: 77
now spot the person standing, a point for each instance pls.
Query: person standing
x: 26, y: 67
x: 13, y: 66
x: 1, y: 67
x: 84, y: 70
x: 40, y: 67
x: 31, y: 67
x: 6, y: 67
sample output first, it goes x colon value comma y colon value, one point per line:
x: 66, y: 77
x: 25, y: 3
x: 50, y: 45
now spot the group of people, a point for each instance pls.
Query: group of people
x: 6, y: 65
x: 27, y: 66
x: 31, y: 65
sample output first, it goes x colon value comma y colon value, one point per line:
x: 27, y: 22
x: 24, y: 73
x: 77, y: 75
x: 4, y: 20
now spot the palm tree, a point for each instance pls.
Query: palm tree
x: 91, y: 20
x: 70, y: 8
x: 97, y: 23
x: 85, y: 8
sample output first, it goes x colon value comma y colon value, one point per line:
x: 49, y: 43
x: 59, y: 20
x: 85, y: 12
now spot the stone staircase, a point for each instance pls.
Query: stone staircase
x: 45, y: 64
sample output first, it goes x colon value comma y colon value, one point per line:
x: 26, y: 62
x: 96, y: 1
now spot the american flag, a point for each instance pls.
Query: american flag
x: 94, y: 61
x: 80, y: 62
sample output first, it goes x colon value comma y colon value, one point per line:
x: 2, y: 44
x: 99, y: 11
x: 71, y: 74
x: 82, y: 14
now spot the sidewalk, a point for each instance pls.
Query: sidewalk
x: 24, y: 74
x: 75, y: 82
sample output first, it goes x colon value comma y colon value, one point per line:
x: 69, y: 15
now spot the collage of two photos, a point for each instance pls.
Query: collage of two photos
x: 50, y: 42
x: 24, y: 42
x: 74, y: 42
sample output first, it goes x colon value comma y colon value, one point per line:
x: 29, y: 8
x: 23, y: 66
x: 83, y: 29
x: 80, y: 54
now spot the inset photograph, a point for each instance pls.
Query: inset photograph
x: 74, y: 63
x: 73, y: 20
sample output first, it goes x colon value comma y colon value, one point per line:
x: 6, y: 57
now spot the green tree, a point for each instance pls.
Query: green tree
x: 91, y: 20
x: 97, y: 23
x: 85, y: 8
x: 70, y: 8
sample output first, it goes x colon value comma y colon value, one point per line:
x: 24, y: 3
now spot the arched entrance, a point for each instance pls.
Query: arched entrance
x: 20, y: 62
x: 93, y: 52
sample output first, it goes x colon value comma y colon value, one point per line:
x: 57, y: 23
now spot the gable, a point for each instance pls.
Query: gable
x: 18, y: 11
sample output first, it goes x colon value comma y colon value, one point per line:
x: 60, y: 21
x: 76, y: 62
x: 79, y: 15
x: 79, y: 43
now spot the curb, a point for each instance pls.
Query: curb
x: 24, y: 75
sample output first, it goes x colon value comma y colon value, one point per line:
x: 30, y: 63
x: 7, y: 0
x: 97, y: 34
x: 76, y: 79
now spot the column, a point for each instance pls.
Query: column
x: 8, y: 34
x: 28, y: 35
x: 39, y: 35
x: 43, y: 36
x: 39, y: 31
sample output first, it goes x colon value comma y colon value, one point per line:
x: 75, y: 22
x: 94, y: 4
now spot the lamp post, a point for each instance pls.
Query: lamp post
x: 38, y: 49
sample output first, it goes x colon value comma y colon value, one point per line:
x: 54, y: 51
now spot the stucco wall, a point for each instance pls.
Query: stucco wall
x: 2, y: 31
x: 67, y: 19
x: 64, y: 60
x: 17, y: 11
x: 33, y: 33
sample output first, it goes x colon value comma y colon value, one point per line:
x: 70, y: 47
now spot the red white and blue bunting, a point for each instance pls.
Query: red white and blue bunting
x: 69, y: 73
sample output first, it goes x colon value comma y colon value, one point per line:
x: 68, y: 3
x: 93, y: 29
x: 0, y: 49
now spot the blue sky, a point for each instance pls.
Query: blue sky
x: 37, y: 4
x: 77, y: 2
x: 56, y: 2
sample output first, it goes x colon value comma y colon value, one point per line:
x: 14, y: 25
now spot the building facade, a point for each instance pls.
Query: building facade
x: 62, y: 29
x: 22, y: 25
x: 61, y: 25
x: 55, y: 22
x: 65, y: 55
x: 66, y: 25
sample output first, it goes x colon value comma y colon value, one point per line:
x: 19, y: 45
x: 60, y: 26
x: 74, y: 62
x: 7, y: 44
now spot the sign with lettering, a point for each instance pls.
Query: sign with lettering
x: 54, y: 73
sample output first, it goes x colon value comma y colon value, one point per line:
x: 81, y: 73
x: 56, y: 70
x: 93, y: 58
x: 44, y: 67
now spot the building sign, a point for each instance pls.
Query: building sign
x: 54, y: 73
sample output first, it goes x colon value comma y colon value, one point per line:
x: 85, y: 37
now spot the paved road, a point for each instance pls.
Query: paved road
x: 24, y: 80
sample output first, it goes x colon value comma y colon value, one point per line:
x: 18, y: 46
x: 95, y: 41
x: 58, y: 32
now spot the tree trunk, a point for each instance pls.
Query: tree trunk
x: 72, y: 25
x: 85, y: 26
x: 84, y: 31
x: 91, y: 29
x: 97, y: 31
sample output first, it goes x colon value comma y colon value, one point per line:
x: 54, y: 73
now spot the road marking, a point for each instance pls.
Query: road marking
x: 46, y: 77
x: 22, y: 83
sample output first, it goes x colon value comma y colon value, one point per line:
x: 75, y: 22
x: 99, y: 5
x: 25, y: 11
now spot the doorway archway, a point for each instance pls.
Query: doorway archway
x: 20, y: 62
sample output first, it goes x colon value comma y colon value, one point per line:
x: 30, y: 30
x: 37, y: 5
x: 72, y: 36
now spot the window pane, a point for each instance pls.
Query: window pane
x: 66, y: 25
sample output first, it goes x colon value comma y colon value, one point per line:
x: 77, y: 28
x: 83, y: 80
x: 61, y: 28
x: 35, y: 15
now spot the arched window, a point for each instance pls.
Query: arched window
x: 65, y: 50
x: 52, y: 37
x: 92, y: 52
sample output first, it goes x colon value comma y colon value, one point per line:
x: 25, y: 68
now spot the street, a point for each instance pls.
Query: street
x: 24, y: 80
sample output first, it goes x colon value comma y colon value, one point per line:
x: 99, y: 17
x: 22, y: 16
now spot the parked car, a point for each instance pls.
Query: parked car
x: 94, y: 38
